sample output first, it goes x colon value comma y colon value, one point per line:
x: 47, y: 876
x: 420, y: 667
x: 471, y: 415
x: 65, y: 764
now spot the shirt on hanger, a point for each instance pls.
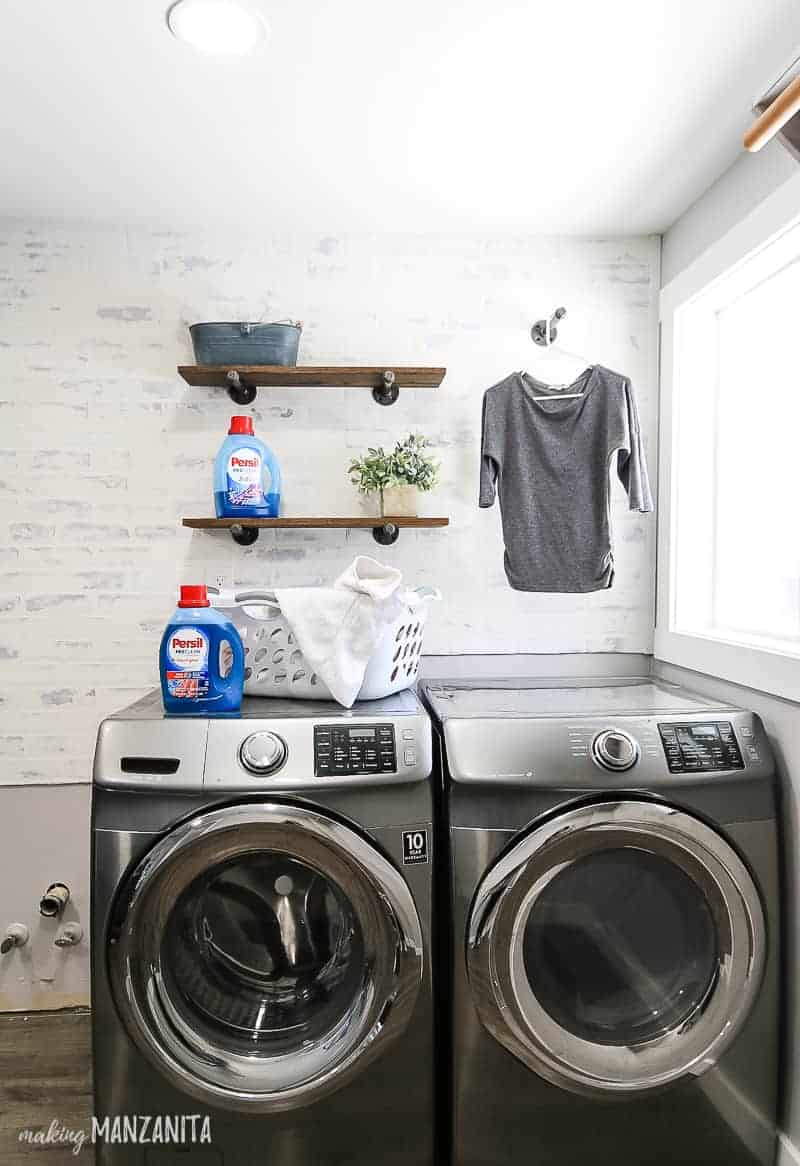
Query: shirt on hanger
x: 549, y: 461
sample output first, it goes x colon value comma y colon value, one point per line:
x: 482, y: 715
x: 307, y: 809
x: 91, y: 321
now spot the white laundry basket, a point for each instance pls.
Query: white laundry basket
x: 275, y: 665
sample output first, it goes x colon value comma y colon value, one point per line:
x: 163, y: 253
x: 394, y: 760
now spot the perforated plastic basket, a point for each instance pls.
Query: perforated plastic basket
x: 275, y: 666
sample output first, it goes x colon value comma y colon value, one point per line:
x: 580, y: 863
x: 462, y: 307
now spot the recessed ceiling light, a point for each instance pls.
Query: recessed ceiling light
x: 216, y: 26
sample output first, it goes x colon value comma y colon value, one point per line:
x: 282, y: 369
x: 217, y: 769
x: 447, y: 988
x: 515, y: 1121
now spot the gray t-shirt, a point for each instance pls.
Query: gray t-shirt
x: 549, y: 461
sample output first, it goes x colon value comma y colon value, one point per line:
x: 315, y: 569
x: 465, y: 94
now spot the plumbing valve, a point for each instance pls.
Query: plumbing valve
x: 16, y: 936
x: 69, y: 935
x: 54, y: 900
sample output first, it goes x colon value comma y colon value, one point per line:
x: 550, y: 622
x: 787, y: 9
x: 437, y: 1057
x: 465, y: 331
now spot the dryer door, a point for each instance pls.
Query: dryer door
x: 261, y: 955
x: 616, y: 948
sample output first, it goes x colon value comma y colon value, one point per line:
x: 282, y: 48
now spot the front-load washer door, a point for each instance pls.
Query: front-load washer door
x: 616, y: 947
x: 263, y: 954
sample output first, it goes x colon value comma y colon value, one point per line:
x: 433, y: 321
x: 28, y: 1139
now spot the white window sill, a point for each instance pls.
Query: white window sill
x: 761, y: 668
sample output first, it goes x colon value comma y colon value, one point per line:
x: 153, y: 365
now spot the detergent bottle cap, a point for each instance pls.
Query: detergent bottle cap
x: 193, y: 595
x: 241, y: 425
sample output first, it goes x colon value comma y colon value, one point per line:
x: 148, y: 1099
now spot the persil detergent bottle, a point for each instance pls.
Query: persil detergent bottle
x: 247, y: 478
x: 201, y: 659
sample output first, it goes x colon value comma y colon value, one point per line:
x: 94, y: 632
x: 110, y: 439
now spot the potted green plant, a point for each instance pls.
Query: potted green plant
x: 397, y: 477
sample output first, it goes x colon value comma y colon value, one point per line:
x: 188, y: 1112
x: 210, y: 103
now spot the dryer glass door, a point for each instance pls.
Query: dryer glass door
x: 617, y: 947
x: 263, y: 954
x: 620, y: 947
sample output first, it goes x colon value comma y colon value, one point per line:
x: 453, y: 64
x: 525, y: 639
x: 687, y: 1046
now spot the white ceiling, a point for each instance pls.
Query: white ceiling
x: 428, y: 115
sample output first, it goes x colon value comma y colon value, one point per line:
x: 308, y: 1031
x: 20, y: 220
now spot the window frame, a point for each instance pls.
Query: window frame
x: 762, y: 668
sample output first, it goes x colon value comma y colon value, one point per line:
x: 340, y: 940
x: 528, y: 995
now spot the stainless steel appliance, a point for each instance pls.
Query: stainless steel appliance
x: 261, y: 920
x: 612, y: 853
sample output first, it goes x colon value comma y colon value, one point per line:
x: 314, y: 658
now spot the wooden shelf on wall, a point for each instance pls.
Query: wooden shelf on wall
x: 242, y: 381
x: 385, y: 530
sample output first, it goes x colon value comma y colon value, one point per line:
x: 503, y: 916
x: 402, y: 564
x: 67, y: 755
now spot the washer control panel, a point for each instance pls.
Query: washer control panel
x: 700, y: 746
x: 354, y: 749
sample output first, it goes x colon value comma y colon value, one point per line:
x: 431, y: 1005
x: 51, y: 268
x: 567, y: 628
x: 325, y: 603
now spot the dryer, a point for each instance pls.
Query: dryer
x: 611, y: 852
x: 261, y: 925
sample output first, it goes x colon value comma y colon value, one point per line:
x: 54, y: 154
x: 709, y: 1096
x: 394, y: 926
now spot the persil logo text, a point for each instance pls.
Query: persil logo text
x: 180, y: 642
x: 244, y: 461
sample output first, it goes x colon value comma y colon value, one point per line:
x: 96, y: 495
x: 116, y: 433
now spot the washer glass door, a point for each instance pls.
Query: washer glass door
x: 617, y: 947
x: 263, y: 951
x: 263, y: 954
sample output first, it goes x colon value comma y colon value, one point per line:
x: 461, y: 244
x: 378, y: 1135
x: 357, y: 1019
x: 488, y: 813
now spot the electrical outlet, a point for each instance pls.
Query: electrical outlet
x: 219, y: 582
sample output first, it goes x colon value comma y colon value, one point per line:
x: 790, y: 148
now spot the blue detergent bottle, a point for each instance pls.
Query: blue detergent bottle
x: 201, y: 659
x: 247, y: 477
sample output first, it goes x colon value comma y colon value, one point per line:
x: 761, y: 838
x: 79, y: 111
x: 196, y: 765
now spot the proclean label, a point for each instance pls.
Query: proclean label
x: 244, y: 478
x: 188, y: 649
x: 187, y: 659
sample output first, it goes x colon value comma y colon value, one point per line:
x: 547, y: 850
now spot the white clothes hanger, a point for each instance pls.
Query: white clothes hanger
x: 544, y: 333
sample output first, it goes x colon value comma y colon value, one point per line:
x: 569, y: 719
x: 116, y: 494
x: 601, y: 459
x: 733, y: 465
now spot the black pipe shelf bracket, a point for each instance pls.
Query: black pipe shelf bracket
x: 241, y: 392
x: 386, y: 534
x: 388, y: 392
x: 244, y: 536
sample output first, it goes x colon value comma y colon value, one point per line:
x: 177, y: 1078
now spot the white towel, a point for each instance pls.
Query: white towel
x: 337, y: 627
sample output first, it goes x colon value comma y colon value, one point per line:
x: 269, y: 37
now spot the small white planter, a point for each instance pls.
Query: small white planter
x: 399, y: 501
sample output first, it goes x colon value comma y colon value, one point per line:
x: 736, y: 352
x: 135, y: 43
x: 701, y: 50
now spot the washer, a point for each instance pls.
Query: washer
x: 261, y: 924
x: 611, y: 851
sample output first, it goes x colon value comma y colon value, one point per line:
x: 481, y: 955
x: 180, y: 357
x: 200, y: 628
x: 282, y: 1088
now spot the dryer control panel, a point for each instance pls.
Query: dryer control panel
x: 700, y: 746
x: 354, y: 749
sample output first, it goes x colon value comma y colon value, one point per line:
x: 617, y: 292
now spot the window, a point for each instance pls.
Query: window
x: 729, y: 571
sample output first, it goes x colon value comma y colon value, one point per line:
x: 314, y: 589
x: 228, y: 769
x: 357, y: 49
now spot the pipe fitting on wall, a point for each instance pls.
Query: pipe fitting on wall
x: 16, y: 935
x: 69, y: 935
x: 54, y: 900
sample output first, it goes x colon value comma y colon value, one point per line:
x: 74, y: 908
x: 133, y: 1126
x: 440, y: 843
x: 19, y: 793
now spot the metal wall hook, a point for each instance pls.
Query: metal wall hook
x: 545, y: 332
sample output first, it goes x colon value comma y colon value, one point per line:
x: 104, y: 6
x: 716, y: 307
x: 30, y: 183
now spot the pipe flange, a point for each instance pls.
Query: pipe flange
x: 386, y: 534
x: 389, y: 391
x: 245, y: 536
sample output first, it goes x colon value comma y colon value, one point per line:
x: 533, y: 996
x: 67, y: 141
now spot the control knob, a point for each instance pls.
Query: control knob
x: 263, y: 753
x: 615, y: 750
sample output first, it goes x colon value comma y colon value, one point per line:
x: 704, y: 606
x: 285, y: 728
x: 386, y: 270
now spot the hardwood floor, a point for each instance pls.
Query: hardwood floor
x: 45, y: 1077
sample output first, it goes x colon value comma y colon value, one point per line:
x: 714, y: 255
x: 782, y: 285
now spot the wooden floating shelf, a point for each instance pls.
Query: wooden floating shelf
x: 294, y: 376
x: 385, y: 530
x: 242, y: 380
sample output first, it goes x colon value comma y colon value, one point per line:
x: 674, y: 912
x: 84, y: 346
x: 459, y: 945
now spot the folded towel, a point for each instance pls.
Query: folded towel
x: 337, y: 627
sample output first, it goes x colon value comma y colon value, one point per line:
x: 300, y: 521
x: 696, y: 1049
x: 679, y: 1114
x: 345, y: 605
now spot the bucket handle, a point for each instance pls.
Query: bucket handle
x: 259, y: 598
x: 246, y: 327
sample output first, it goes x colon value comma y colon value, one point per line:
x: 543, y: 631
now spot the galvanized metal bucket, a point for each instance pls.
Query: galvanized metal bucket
x: 231, y: 344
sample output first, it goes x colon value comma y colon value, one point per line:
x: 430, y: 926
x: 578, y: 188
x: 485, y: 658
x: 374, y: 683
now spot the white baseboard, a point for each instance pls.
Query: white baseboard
x: 788, y: 1153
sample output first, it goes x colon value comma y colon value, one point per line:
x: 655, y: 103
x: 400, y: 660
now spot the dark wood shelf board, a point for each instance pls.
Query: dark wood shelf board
x: 313, y: 523
x: 312, y: 375
x: 245, y: 531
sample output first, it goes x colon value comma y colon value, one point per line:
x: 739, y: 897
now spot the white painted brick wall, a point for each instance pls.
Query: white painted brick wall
x: 103, y: 448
